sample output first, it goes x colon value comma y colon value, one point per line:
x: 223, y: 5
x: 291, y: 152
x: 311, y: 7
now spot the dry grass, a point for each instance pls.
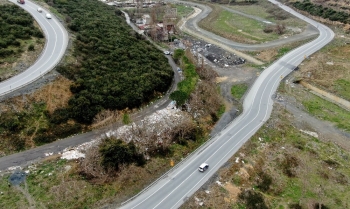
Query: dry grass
x: 55, y: 95
x: 329, y: 69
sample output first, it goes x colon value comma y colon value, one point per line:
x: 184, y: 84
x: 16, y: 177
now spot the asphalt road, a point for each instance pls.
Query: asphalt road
x: 176, y: 186
x: 192, y: 24
x: 55, y: 47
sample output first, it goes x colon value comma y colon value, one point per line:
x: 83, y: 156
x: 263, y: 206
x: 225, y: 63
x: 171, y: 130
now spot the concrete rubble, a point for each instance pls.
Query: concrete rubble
x: 154, y: 125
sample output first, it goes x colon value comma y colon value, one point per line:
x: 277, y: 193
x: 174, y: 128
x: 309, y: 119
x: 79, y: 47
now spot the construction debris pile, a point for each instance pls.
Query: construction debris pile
x: 214, y: 54
x: 152, y: 131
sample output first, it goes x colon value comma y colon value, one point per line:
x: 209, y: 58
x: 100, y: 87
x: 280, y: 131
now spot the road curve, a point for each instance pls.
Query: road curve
x: 55, y: 47
x: 192, y: 24
x: 177, y: 185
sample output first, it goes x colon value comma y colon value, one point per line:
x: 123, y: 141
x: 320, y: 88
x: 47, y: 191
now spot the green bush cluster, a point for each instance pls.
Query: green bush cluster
x: 325, y: 12
x: 117, y: 67
x: 186, y: 86
x: 15, y: 25
x: 115, y: 152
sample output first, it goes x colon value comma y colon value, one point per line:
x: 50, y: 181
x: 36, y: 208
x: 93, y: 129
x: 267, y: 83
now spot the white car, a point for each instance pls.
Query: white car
x: 203, y: 167
x: 48, y: 16
x: 166, y: 52
x: 40, y: 10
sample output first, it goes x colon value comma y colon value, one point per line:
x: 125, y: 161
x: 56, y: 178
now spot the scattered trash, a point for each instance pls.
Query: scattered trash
x: 17, y: 177
x: 72, y: 154
x: 219, y: 183
x: 314, y: 134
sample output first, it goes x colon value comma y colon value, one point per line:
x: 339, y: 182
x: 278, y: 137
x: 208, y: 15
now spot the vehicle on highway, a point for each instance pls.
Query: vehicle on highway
x: 203, y: 167
x: 48, y: 16
x: 166, y: 52
x: 21, y: 1
x: 40, y: 10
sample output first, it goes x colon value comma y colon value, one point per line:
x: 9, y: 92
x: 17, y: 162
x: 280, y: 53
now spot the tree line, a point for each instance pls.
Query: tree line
x: 325, y: 12
x: 116, y: 68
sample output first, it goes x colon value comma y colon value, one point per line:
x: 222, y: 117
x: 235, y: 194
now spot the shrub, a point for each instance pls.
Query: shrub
x: 115, y: 153
x: 31, y: 47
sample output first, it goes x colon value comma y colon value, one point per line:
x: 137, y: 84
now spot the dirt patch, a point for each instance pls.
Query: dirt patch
x: 267, y: 55
x: 233, y: 192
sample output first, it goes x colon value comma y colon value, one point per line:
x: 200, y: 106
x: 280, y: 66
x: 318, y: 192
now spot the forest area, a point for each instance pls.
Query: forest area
x: 114, y: 68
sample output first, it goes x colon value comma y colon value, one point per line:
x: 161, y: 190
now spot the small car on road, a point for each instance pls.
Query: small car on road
x: 48, y: 16
x: 203, y: 167
x: 166, y: 52
x: 40, y: 10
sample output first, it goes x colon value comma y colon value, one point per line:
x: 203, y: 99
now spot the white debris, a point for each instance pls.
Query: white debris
x: 50, y: 174
x: 237, y: 160
x: 48, y: 154
x: 12, y: 168
x: 207, y: 191
x: 314, y: 134
x: 26, y: 171
x: 329, y: 63
x: 243, y: 161
x: 196, y: 199
x: 330, y: 168
x: 67, y: 168
x: 72, y: 154
x: 283, y: 147
x: 260, y: 139
x: 219, y: 183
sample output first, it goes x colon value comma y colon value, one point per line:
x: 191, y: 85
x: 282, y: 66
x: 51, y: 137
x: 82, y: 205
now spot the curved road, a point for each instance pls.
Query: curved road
x: 176, y: 186
x: 55, y: 47
x: 192, y: 24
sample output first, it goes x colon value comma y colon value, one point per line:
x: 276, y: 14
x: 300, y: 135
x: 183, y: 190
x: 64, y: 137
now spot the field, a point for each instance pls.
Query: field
x: 246, y: 30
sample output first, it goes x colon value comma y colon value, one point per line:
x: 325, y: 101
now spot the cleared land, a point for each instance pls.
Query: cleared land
x: 247, y: 30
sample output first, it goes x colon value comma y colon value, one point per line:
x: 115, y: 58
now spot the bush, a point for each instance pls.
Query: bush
x: 31, y: 47
x: 252, y: 199
x: 115, y: 153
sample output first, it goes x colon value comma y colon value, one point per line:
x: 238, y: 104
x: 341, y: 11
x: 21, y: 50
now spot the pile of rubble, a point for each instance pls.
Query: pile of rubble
x: 214, y: 54
x: 151, y: 128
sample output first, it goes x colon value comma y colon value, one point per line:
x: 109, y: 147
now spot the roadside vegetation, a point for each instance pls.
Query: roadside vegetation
x: 321, y: 11
x: 114, y: 170
x: 238, y: 90
x: 112, y: 68
x: 20, y: 40
x: 280, y: 167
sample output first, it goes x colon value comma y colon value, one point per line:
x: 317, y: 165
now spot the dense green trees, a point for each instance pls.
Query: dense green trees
x: 15, y: 25
x: 117, y: 68
x: 325, y: 12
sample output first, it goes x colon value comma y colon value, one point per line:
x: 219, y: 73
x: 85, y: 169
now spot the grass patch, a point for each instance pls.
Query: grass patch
x: 238, y: 91
x: 342, y: 87
x: 236, y: 27
x: 183, y: 10
x: 328, y: 111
